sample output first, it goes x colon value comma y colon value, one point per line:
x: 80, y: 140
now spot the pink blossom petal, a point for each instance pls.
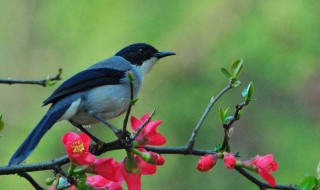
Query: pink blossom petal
x: 133, y: 181
x: 115, y: 185
x: 86, y: 140
x: 135, y: 123
x: 267, y: 176
x: 146, y: 168
x: 144, y: 117
x: 70, y: 137
x: 152, y: 126
x: 85, y: 159
x: 107, y: 168
x: 156, y: 139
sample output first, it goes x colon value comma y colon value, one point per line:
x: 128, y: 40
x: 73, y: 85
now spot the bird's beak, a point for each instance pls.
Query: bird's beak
x: 163, y: 54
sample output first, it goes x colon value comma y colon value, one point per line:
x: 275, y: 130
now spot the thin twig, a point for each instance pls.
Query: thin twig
x: 43, y: 82
x: 114, y: 129
x: 213, y: 100
x: 31, y: 181
x: 227, y: 126
x: 49, y: 165
x: 263, y: 185
x: 125, y: 121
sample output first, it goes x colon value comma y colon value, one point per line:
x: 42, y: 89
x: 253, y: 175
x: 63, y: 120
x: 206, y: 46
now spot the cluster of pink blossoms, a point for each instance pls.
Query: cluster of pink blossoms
x: 108, y: 173
x: 263, y: 165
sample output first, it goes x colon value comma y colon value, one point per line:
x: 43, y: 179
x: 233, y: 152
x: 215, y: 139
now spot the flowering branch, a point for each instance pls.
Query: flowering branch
x: 49, y: 81
x: 142, y: 153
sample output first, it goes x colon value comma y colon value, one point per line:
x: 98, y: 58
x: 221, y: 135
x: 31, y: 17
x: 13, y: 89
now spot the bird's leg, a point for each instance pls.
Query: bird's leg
x: 81, y: 128
x: 114, y: 129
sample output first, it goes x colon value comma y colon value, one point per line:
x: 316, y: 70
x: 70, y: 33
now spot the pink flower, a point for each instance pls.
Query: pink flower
x: 100, y: 183
x: 207, y: 162
x: 149, y: 134
x: 265, y: 165
x: 77, y: 147
x: 107, y: 168
x: 229, y: 160
x: 133, y: 177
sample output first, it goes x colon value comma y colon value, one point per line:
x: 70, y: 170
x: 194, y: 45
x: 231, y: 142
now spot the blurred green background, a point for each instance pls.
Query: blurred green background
x: 279, y: 41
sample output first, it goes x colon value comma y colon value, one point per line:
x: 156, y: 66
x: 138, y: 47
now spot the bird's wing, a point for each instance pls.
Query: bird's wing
x: 85, y: 80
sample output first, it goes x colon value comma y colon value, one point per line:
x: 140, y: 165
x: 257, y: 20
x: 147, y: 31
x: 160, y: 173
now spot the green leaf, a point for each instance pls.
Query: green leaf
x: 318, y: 171
x: 236, y: 83
x: 50, y: 83
x: 1, y: 123
x: 226, y: 72
x: 236, y: 67
x: 63, y: 183
x: 308, y: 183
x: 221, y: 115
x: 131, y: 77
x: 133, y: 102
x: 247, y: 92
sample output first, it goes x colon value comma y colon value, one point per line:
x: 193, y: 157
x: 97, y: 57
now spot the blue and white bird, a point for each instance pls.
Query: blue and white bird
x: 101, y: 91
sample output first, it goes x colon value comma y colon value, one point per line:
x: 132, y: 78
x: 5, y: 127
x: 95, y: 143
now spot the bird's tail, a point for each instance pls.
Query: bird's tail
x: 30, y: 143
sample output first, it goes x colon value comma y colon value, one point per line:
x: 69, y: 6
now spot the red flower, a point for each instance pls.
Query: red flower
x: 229, y: 160
x: 99, y: 182
x: 265, y: 165
x: 133, y: 177
x: 207, y: 162
x: 77, y: 147
x: 107, y: 168
x: 148, y: 135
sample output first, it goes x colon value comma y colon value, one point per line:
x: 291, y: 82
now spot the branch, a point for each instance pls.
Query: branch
x: 213, y: 100
x: 227, y: 126
x: 125, y: 121
x: 49, y: 165
x: 31, y: 181
x: 43, y: 82
x: 263, y: 185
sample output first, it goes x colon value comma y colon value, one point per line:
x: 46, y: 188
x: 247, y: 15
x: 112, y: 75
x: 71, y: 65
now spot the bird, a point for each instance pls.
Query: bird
x: 100, y: 92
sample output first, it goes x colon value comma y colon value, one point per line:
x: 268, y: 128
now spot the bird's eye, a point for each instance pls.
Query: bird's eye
x: 141, y: 51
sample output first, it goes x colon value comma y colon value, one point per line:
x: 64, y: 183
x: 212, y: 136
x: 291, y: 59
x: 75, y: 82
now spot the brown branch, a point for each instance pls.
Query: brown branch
x: 43, y: 82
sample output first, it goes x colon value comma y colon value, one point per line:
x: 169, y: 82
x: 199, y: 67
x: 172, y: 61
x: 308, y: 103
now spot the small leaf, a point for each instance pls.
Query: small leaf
x: 63, y: 183
x: 308, y: 183
x: 1, y: 123
x: 133, y: 102
x: 226, y: 72
x: 250, y: 90
x: 50, y: 83
x: 226, y: 114
x: 247, y: 92
x: 239, y: 68
x: 227, y: 119
x: 236, y: 67
x: 221, y: 115
x: 131, y: 77
x: 318, y: 171
x: 236, y: 83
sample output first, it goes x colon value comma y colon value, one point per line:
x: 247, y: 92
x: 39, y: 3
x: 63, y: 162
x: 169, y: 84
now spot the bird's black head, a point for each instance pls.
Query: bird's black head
x: 138, y: 53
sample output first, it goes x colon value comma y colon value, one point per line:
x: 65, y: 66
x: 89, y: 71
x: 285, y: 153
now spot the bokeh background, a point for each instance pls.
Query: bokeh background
x: 278, y: 40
